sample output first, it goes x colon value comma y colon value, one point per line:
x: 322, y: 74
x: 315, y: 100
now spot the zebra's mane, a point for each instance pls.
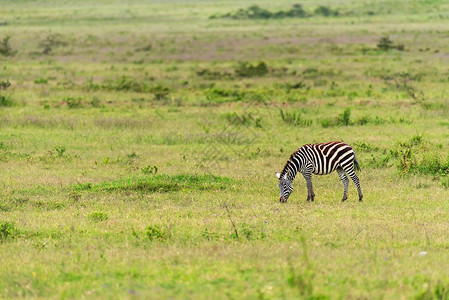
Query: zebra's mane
x: 285, y: 169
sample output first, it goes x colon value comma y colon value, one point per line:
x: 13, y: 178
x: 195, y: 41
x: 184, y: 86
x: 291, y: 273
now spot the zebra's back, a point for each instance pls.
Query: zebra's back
x: 326, y: 157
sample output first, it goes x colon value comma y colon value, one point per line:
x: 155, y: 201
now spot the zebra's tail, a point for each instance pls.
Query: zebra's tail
x: 356, y: 163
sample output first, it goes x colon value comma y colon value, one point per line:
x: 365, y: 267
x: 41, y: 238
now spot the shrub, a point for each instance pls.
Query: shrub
x: 295, y: 12
x: 52, y: 41
x: 5, y: 48
x: 245, y: 119
x: 160, y: 92
x: 155, y: 233
x: 344, y: 118
x: 252, y: 12
x: 73, y: 102
x: 60, y: 151
x: 95, y: 102
x: 294, y: 86
x: 364, y: 146
x: 220, y: 94
x: 294, y: 118
x: 149, y: 170
x: 41, y: 81
x: 213, y: 74
x: 146, y: 48
x: 363, y: 120
x: 438, y: 291
x: 326, y: 123
x: 4, y: 85
x: 7, y: 230
x: 415, y: 157
x: 247, y: 232
x: 401, y: 81
x: 246, y: 69
x: 386, y: 44
x: 5, y: 100
x: 256, y: 12
x: 430, y: 164
x: 124, y: 83
x: 98, y: 216
x: 445, y: 181
x: 326, y: 11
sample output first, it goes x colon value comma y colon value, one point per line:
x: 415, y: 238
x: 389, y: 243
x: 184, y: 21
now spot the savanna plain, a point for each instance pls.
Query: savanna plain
x: 139, y: 142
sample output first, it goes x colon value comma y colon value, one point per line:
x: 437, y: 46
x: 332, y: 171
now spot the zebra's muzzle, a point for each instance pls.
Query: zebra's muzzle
x: 282, y: 199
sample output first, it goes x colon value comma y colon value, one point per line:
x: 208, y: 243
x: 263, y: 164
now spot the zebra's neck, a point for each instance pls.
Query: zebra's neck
x: 290, y: 169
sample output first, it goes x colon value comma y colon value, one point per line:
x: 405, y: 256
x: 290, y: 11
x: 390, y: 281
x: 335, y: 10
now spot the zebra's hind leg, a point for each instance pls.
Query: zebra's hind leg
x: 356, y: 181
x: 345, y: 181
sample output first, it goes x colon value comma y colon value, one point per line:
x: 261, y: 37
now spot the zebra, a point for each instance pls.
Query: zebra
x: 319, y: 159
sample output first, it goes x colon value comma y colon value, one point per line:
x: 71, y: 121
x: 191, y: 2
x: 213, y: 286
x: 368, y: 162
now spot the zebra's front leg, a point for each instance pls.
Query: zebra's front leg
x: 310, y: 193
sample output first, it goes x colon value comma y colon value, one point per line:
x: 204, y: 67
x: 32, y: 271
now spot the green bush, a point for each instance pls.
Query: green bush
x: 386, y: 44
x: 445, y: 181
x: 429, y: 164
x: 294, y: 118
x: 5, y: 100
x: 326, y: 11
x: 155, y: 233
x: 223, y: 95
x: 255, y: 12
x: 213, y: 74
x: 7, y: 230
x: 364, y: 146
x: 5, y: 48
x: 149, y: 170
x: 437, y: 291
x: 73, y: 102
x: 41, y: 81
x: 344, y: 118
x: 246, y: 69
x: 245, y: 119
x: 51, y: 41
x: 98, y: 216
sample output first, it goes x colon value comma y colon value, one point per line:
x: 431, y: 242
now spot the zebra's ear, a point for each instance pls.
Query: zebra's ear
x: 278, y: 175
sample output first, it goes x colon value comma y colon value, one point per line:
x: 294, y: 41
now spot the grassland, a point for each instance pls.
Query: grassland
x: 139, y: 141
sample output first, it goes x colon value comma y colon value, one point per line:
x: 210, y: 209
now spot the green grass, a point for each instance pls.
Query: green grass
x: 159, y: 183
x: 139, y: 143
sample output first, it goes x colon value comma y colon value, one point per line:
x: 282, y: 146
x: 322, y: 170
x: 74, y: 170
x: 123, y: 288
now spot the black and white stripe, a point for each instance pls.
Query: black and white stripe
x: 319, y: 159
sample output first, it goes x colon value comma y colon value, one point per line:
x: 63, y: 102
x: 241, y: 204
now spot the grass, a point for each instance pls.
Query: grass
x: 139, y: 141
x: 160, y: 183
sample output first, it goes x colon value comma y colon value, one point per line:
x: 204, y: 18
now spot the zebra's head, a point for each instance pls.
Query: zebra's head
x: 285, y: 187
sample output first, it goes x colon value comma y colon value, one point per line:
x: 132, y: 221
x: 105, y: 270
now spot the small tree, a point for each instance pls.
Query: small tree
x: 325, y: 11
x: 4, y: 85
x: 5, y: 100
x: 385, y: 43
x: 51, y: 41
x: 5, y: 48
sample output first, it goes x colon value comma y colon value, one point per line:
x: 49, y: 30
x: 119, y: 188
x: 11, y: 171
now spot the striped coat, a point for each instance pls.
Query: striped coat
x: 319, y: 159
